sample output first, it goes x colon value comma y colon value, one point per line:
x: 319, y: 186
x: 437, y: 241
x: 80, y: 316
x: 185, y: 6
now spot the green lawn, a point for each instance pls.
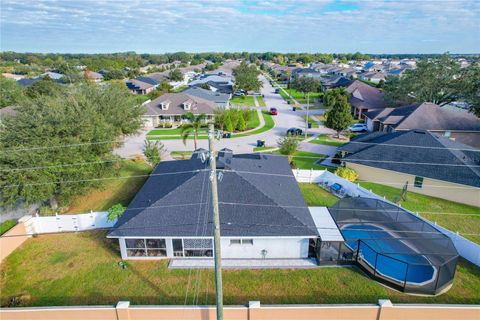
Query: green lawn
x: 316, y: 196
x: 245, y: 101
x: 141, y: 98
x: 269, y: 124
x: 466, y: 219
x: 261, y: 102
x: 307, y: 160
x: 254, y: 121
x: 326, y: 140
x: 7, y: 225
x: 311, y: 120
x: 113, y: 191
x: 260, y: 149
x: 82, y: 269
x: 301, y: 97
x: 181, y: 155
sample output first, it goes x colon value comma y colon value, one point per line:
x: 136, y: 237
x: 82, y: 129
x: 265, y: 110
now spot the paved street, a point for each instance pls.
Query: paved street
x: 286, y: 118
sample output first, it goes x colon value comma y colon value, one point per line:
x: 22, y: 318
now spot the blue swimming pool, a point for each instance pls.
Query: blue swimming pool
x: 390, y: 257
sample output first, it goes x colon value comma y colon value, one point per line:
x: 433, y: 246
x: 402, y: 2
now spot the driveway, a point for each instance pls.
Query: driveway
x: 285, y: 119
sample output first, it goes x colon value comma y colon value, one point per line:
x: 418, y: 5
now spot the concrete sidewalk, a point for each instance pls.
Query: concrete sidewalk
x: 208, y: 263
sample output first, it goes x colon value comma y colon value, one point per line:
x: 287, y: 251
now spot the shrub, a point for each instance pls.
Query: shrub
x: 115, y: 212
x: 7, y: 225
x: 241, y: 125
x: 228, y: 124
x: 288, y: 145
x: 347, y: 173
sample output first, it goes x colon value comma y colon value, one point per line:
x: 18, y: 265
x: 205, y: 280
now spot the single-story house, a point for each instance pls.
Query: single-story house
x: 26, y: 82
x: 170, y: 107
x: 331, y: 82
x: 93, y: 76
x: 142, y: 85
x: 373, y: 76
x: 217, y: 83
x: 305, y: 72
x: 425, y: 163
x: 463, y: 127
x: 221, y: 100
x: 364, y: 98
x: 262, y: 212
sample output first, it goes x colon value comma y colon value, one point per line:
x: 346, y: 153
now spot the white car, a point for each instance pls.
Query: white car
x: 359, y: 127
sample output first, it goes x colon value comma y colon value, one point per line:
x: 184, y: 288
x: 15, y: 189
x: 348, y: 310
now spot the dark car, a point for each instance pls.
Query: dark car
x: 277, y: 90
x: 273, y: 111
x: 294, y: 132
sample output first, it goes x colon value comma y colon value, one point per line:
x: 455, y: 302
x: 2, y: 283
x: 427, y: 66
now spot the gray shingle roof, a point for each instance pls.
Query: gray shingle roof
x: 365, y: 96
x: 268, y: 200
x: 217, y: 97
x: 414, y: 152
x: 175, y: 100
x: 427, y: 116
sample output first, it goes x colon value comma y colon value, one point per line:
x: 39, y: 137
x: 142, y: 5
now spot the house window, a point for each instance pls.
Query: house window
x: 447, y: 134
x: 241, y: 241
x: 418, y: 182
x: 198, y: 247
x: 146, y: 247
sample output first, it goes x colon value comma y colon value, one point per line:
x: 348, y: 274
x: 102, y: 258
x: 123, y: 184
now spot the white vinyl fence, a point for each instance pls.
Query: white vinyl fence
x: 466, y: 248
x: 66, y: 223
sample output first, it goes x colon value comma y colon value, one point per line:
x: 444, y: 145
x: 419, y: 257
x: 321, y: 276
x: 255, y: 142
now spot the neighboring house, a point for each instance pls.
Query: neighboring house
x: 427, y: 164
x: 93, y: 76
x: 221, y: 100
x: 262, y: 212
x: 364, y: 98
x: 142, y: 85
x: 305, y: 72
x: 170, y: 107
x: 217, y: 83
x: 373, y: 76
x: 331, y: 82
x: 463, y: 127
x: 26, y: 82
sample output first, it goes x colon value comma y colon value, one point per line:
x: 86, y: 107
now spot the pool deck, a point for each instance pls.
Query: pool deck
x: 208, y: 263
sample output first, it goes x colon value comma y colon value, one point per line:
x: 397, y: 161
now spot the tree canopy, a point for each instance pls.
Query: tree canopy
x: 10, y: 92
x: 306, y: 85
x: 246, y: 77
x: 338, y: 117
x: 439, y: 81
x: 60, y: 145
x: 175, y: 75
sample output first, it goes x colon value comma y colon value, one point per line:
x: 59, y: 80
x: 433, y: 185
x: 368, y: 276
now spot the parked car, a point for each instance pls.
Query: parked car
x: 359, y: 127
x: 294, y: 132
x: 273, y: 111
x: 277, y: 90
x: 238, y: 94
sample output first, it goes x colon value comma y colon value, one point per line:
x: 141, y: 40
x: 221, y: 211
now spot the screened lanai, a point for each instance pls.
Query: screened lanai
x: 395, y: 246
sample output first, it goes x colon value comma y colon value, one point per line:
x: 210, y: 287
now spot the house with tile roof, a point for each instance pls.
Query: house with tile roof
x: 364, y: 98
x: 262, y: 211
x: 425, y: 163
x: 463, y: 127
x: 170, y: 107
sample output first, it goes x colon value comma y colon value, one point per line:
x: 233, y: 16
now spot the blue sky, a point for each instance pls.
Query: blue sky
x: 156, y: 26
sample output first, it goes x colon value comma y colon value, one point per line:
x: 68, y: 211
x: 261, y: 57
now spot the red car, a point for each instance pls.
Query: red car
x: 273, y: 111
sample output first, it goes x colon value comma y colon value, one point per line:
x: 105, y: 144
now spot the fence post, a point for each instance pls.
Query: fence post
x: 122, y: 310
x: 252, y: 309
x: 385, y: 310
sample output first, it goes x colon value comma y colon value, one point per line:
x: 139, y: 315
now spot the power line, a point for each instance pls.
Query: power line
x: 58, y: 146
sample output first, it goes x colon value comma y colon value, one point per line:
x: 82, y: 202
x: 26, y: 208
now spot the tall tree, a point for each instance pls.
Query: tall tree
x: 175, y: 75
x: 288, y: 146
x: 10, y: 92
x: 193, y: 127
x: 439, y: 81
x: 65, y: 141
x: 152, y: 151
x: 339, y: 116
x: 246, y: 77
x: 306, y: 85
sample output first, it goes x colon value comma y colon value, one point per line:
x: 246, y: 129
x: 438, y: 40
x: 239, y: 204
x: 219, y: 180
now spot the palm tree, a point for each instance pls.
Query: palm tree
x: 196, y: 122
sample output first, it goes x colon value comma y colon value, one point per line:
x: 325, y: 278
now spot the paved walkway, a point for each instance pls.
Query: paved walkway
x: 208, y: 263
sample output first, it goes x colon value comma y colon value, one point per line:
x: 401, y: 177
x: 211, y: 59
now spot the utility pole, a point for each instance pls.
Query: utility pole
x: 307, y: 118
x: 216, y: 222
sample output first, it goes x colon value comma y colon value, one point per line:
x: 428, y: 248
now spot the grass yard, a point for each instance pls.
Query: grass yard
x: 301, y: 97
x: 245, y: 101
x: 260, y: 101
x: 316, y: 196
x: 261, y: 149
x: 311, y: 120
x: 466, y: 219
x: 181, y: 155
x: 307, y: 160
x: 7, y: 225
x: 82, y: 269
x: 269, y: 124
x: 141, y: 98
x: 254, y: 120
x: 326, y: 140
x: 113, y: 191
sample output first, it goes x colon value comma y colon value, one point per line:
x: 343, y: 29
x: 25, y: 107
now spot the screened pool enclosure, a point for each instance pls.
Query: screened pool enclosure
x: 394, y: 246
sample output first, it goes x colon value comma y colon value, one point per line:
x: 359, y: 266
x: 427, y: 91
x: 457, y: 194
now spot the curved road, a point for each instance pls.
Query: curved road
x: 286, y: 118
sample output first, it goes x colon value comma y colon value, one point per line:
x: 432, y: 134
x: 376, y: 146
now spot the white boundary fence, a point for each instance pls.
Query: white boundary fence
x: 466, y: 248
x: 64, y: 223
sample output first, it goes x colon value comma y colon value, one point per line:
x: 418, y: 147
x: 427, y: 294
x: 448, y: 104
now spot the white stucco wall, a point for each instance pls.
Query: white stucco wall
x: 276, y: 248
